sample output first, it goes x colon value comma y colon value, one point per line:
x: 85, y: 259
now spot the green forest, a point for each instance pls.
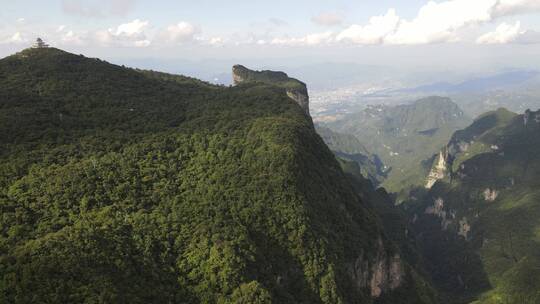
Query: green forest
x: 126, y: 186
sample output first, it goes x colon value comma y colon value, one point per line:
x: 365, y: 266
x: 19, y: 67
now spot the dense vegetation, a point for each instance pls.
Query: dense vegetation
x: 348, y: 147
x: 478, y: 228
x: 125, y: 186
x: 404, y: 135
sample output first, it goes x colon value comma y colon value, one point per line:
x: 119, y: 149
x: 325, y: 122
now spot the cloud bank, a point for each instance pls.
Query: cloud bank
x: 438, y: 22
x: 435, y: 22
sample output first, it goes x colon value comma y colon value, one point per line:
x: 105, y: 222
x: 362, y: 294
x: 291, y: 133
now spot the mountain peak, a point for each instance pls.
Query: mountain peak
x: 242, y: 74
x: 296, y: 89
x: 42, y: 51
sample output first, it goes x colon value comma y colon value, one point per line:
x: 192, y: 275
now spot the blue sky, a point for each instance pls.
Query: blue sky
x: 372, y: 31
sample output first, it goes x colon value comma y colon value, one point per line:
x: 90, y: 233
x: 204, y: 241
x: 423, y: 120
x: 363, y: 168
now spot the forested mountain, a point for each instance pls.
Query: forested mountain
x: 404, y: 135
x: 478, y: 222
x: 127, y: 186
x: 348, y: 147
x: 344, y: 146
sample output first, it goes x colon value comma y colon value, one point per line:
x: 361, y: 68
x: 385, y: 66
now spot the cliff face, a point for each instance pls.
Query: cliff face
x: 438, y: 170
x: 474, y: 225
x: 383, y: 274
x: 467, y: 143
x: 405, y: 135
x: 295, y: 89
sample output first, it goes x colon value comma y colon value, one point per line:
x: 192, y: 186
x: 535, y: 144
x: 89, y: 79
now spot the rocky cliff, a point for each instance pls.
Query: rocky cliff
x: 475, y: 227
x: 438, y: 170
x: 466, y: 143
x: 295, y: 89
x: 382, y: 274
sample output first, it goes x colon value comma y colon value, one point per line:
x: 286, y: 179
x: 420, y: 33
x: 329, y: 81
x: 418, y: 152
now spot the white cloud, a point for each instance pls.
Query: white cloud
x: 308, y: 40
x: 319, y: 38
x: 136, y: 33
x: 70, y: 37
x: 216, y: 41
x: 374, y: 32
x: 328, y: 19
x: 504, y: 33
x: 142, y: 43
x: 436, y: 22
x: 131, y: 34
x: 104, y: 38
x: 285, y: 41
x: 182, y: 32
x: 508, y: 33
x: 16, y: 38
x: 134, y: 28
x: 441, y: 22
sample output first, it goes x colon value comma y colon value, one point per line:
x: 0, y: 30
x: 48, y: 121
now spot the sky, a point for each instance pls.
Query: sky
x: 411, y: 33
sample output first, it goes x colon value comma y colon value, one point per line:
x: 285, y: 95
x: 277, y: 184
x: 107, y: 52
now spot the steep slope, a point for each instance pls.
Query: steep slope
x: 295, y: 89
x: 402, y: 136
x: 347, y: 147
x: 397, y: 229
x: 478, y: 225
x: 124, y: 186
x: 467, y: 143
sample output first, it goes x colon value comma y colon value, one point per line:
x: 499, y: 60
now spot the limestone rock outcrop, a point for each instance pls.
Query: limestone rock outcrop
x: 438, y: 170
x: 295, y: 89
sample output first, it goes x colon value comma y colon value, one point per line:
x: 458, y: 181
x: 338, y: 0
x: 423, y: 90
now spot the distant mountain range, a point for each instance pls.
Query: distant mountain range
x: 474, y: 85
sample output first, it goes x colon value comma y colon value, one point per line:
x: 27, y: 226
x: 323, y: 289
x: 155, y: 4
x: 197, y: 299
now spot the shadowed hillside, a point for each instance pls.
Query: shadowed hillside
x: 478, y: 224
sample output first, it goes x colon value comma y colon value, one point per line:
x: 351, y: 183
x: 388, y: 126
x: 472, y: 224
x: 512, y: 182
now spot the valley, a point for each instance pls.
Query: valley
x: 461, y: 200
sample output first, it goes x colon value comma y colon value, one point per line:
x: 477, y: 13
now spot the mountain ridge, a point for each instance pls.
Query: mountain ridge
x: 120, y: 185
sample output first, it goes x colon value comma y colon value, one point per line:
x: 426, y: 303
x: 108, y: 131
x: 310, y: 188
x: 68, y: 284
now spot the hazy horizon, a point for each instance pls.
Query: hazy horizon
x: 460, y: 36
